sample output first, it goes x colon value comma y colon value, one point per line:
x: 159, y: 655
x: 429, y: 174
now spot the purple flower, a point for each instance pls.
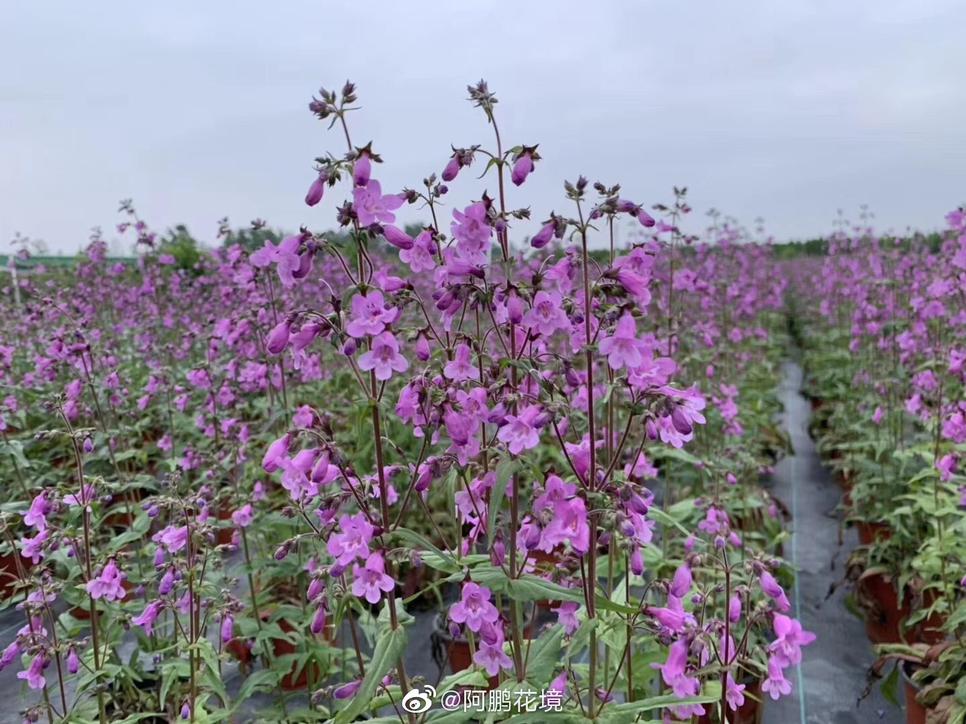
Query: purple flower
x: 316, y: 189
x: 347, y: 691
x: 372, y: 207
x: 491, y: 655
x: 623, y: 348
x: 33, y: 548
x: 384, y: 357
x: 11, y: 652
x: 547, y: 314
x: 85, y: 496
x: 167, y: 582
x: 946, y: 465
x: 303, y: 417
x: 174, y: 538
x: 371, y: 581
x: 673, y: 671
x: 36, y: 515
x: 774, y: 591
x: 148, y: 616
x: 227, y: 628
x: 275, y: 453
x: 353, y: 541
x: 370, y: 314
x: 397, y: 237
x: 34, y: 675
x: 567, y: 616
x: 519, y: 431
x: 734, y: 693
x: 278, y: 337
x: 521, y: 169
x: 109, y: 584
x: 569, y: 524
x: 681, y: 583
x: 243, y: 516
x: 543, y: 237
x: 73, y: 661
x: 673, y: 619
x: 776, y: 685
x: 318, y: 620
x: 452, y: 168
x: 474, y: 608
x: 421, y: 255
x: 790, y: 637
x: 472, y: 231
x: 734, y: 609
x: 461, y: 367
x: 362, y: 170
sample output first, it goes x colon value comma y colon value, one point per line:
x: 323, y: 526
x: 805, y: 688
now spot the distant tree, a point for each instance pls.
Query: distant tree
x: 252, y: 238
x: 179, y: 243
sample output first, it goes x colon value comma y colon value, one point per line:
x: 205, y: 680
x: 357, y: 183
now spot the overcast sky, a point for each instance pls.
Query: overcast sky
x: 784, y: 110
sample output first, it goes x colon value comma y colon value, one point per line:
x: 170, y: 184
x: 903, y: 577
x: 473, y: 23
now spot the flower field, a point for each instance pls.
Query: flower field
x: 528, y: 449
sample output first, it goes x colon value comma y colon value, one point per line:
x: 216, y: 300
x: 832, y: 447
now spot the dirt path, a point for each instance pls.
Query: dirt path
x: 833, y: 673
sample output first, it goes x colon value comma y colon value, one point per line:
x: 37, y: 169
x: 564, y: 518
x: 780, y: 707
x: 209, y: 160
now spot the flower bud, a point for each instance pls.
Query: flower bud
x: 397, y: 237
x: 278, y: 337
x: 521, y: 169
x: 227, y: 628
x: 543, y: 236
x: 422, y: 348
x: 361, y: 170
x: 315, y: 192
x: 680, y: 421
x: 452, y: 168
x: 73, y: 662
x: 734, y: 608
x: 637, y: 562
x: 318, y: 620
x: 316, y: 588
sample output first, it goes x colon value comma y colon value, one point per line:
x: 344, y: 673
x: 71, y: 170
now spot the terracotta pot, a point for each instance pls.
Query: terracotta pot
x: 8, y: 572
x: 748, y: 713
x: 883, y: 620
x: 915, y: 712
x: 871, y: 532
x: 241, y: 650
x: 224, y: 535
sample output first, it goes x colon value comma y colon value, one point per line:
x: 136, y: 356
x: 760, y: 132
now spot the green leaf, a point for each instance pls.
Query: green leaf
x: 538, y: 717
x: 619, y: 713
x: 545, y: 656
x: 264, y: 680
x: 388, y: 649
x: 443, y: 560
x: 661, y: 517
x: 890, y: 687
x: 504, y: 471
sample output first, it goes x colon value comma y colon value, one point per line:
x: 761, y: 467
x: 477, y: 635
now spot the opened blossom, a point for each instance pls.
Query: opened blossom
x: 108, y: 584
x: 370, y: 581
x: 474, y: 608
x: 384, y: 358
x: 372, y: 207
